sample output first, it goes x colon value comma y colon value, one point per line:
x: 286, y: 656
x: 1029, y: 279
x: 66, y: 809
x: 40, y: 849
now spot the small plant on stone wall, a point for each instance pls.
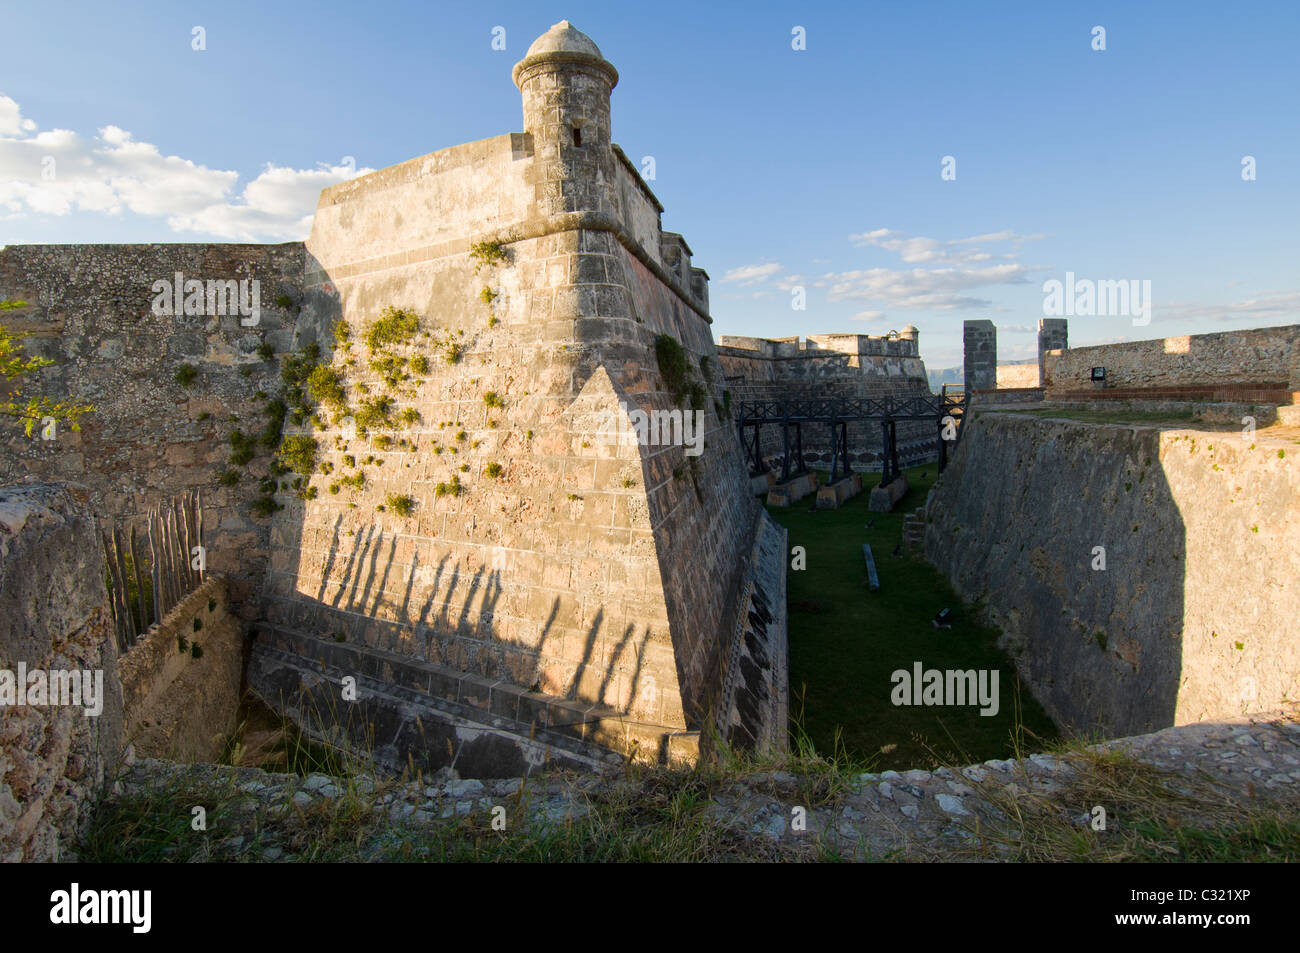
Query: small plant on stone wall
x: 487, y: 295
x: 182, y: 644
x: 492, y: 399
x: 265, y: 351
x: 196, y: 651
x: 298, y: 452
x: 493, y: 470
x: 228, y: 477
x: 285, y: 303
x: 393, y: 326
x: 265, y: 505
x: 419, y: 364
x: 376, y: 412
x: 401, y: 504
x: 451, y: 488
x: 187, y: 375
x: 486, y: 254
x: 325, y: 386
x: 242, y: 448
x: 198, y: 623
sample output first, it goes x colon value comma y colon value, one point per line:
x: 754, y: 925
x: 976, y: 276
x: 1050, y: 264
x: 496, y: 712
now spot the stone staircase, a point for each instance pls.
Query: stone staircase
x: 439, y: 717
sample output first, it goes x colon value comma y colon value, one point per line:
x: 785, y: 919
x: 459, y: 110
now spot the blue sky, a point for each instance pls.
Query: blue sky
x: 818, y: 168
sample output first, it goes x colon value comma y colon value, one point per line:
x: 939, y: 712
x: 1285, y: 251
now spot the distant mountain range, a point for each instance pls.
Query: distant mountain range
x: 944, y: 375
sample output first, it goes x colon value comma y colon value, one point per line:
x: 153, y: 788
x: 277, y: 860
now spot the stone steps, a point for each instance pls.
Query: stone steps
x: 442, y: 717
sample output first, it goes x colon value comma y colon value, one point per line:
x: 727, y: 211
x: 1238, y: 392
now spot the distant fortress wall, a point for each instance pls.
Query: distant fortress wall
x: 833, y: 365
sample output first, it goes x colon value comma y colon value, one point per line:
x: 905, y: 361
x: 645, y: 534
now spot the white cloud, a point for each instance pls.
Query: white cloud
x: 59, y: 172
x: 751, y: 274
x: 921, y: 289
x: 11, y: 120
x: 1263, y: 305
x: 933, y: 251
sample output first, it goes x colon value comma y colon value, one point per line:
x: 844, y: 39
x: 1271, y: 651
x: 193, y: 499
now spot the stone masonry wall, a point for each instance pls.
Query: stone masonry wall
x: 54, y: 615
x: 90, y: 311
x: 1195, y: 615
x: 1264, y: 358
x: 1018, y: 375
x: 832, y: 365
x: 181, y: 680
x: 556, y: 573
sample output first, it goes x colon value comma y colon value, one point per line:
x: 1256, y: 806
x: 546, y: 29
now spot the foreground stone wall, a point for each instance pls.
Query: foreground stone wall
x: 90, y: 312
x: 1022, y: 809
x: 54, y: 615
x: 1195, y: 616
x: 181, y: 680
x: 1258, y: 359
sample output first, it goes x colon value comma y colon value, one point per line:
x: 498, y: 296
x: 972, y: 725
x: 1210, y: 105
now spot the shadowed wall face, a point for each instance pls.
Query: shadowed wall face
x: 1193, y: 616
x: 92, y: 312
x: 54, y: 616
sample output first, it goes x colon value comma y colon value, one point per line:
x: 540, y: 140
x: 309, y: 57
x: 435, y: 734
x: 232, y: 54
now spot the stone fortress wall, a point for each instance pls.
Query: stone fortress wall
x: 90, y: 311
x: 595, y: 587
x: 584, y: 584
x: 1187, y: 612
x: 1258, y: 365
x: 833, y: 365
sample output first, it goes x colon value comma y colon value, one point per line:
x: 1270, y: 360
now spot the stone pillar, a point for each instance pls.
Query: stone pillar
x: 1053, y: 334
x: 980, y: 355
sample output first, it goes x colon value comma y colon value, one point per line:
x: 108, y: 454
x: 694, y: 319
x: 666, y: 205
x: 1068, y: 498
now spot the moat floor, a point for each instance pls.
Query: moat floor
x: 846, y: 643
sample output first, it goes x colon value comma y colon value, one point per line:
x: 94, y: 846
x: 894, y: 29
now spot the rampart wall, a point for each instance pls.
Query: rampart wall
x: 1194, y: 615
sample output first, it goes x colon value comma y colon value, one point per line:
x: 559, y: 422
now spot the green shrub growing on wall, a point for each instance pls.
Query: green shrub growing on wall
x: 242, y: 448
x: 325, y: 386
x: 401, y: 504
x: 265, y: 505
x: 299, y: 453
x: 452, y: 488
x: 393, y: 326
x: 275, y: 411
x: 420, y: 364
x: 673, y: 366
x: 187, y: 375
x: 486, y: 254
x: 376, y: 412
x: 492, y: 399
x: 493, y: 470
x: 391, y: 368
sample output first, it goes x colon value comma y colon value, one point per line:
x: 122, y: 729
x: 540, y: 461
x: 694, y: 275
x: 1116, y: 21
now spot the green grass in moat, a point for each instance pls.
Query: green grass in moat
x: 845, y: 642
